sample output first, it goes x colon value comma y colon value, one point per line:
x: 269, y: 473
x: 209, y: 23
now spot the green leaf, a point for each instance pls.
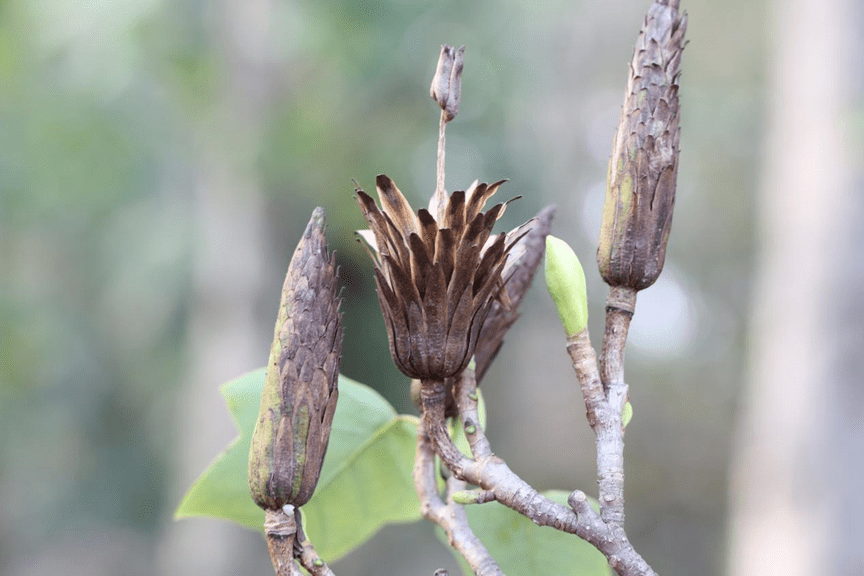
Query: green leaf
x: 371, y: 451
x: 521, y: 547
x: 372, y: 488
x: 222, y: 491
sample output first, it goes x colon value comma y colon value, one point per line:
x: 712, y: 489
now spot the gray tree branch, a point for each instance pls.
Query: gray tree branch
x: 492, y: 474
x: 449, y: 515
x: 620, y: 305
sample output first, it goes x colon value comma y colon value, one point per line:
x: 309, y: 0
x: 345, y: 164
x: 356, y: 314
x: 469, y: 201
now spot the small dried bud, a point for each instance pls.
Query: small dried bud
x: 300, y: 390
x: 640, y: 191
x: 447, y: 83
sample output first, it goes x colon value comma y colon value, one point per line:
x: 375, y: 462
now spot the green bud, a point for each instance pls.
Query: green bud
x: 626, y: 414
x: 464, y: 497
x: 565, y: 281
x: 470, y: 429
x: 299, y: 398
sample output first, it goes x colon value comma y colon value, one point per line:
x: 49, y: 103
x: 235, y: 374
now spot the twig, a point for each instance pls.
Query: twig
x: 450, y: 516
x: 585, y: 364
x: 605, y: 420
x: 606, y: 424
x: 466, y: 399
x: 287, y: 542
x: 604, y: 417
x: 604, y: 403
x: 306, y: 553
x: 281, y: 530
x: 610, y: 434
x: 472, y: 496
x: 491, y: 473
x: 616, y: 547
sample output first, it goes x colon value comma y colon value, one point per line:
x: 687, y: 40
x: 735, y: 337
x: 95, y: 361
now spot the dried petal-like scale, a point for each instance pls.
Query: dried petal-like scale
x: 436, y: 300
x: 525, y: 256
x: 640, y: 192
x: 300, y: 391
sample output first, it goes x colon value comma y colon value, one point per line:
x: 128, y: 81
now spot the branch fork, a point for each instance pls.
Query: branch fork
x: 497, y: 482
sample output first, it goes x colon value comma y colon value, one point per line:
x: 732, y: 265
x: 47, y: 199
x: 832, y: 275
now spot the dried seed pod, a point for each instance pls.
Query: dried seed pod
x: 518, y: 272
x: 436, y: 280
x: 300, y: 391
x: 640, y: 192
x: 446, y: 86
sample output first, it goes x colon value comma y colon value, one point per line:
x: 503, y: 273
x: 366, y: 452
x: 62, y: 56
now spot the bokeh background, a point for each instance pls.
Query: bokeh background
x: 159, y: 159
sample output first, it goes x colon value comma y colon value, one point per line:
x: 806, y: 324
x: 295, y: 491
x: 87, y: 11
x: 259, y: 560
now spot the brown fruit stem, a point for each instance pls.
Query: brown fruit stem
x: 281, y: 530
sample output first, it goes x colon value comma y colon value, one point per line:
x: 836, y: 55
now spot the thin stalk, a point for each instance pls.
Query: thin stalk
x: 440, y: 194
x: 466, y: 400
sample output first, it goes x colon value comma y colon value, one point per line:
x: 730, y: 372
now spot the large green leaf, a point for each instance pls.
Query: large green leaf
x: 373, y: 487
x: 370, y: 456
x: 521, y: 547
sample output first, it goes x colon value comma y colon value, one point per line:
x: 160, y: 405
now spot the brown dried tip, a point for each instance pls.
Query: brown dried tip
x: 300, y: 391
x: 640, y: 192
x: 437, y: 280
x: 446, y: 86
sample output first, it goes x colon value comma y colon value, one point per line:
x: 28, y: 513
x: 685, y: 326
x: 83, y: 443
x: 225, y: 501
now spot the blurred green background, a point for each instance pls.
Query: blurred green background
x: 158, y: 161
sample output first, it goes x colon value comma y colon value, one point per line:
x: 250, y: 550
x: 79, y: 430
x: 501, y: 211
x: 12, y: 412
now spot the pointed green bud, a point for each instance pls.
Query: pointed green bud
x: 565, y: 281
